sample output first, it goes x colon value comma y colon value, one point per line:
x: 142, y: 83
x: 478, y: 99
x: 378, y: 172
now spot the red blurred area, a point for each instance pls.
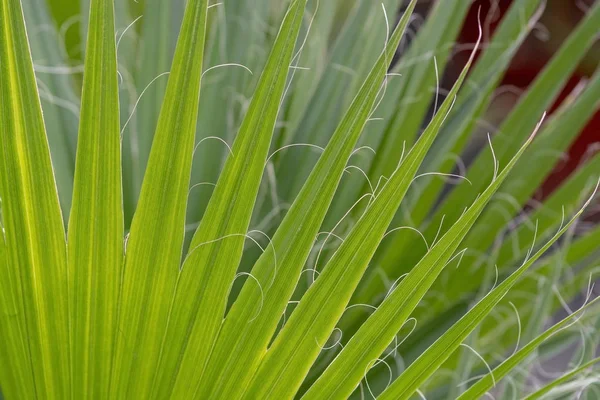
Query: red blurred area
x: 559, y: 18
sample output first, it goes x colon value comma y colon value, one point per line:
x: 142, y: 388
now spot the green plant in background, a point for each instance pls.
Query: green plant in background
x: 209, y: 231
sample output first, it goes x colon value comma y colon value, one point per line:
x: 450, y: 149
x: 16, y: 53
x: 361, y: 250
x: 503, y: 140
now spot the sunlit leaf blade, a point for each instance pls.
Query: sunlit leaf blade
x: 541, y: 393
x: 378, y: 331
x: 34, y: 233
x: 15, y: 368
x: 253, y: 318
x: 408, y: 97
x: 126, y: 35
x: 122, y: 19
x: 153, y: 248
x: 95, y: 235
x: 59, y: 103
x: 518, y: 125
x: 216, y: 248
x: 299, y: 343
x: 429, y: 362
x: 491, y: 379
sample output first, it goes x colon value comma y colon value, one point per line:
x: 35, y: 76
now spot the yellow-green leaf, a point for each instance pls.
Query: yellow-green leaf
x: 153, y: 248
x: 95, y: 234
x: 216, y: 249
x: 34, y: 232
x: 253, y: 319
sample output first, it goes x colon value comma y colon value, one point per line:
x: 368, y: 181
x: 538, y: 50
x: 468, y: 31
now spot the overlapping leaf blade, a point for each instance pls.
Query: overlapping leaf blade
x: 490, y: 380
x: 347, y: 68
x: 379, y: 330
x: 298, y: 344
x: 408, y: 98
x: 249, y: 326
x: 432, y: 47
x: 426, y: 365
x: 470, y: 105
x: 216, y: 248
x: 154, y: 245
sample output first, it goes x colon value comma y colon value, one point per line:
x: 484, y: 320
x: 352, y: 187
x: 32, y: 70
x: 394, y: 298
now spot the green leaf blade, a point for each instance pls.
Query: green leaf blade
x: 16, y: 377
x: 297, y: 345
x: 95, y: 235
x: 34, y: 232
x: 379, y: 330
x: 154, y: 245
x: 60, y: 105
x: 246, y: 332
x: 470, y: 105
x: 201, y: 296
